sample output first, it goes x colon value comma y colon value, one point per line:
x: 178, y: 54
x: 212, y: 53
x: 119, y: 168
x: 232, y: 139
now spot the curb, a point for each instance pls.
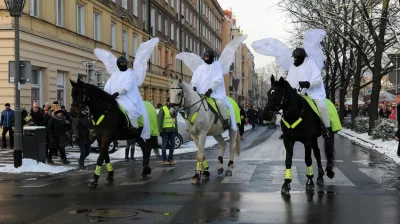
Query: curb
x: 358, y: 138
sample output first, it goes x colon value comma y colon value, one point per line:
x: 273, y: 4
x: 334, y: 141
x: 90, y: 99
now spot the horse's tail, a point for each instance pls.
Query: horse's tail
x: 238, y: 143
x: 329, y: 144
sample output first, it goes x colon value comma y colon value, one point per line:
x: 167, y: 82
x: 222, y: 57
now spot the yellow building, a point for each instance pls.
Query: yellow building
x: 58, y: 38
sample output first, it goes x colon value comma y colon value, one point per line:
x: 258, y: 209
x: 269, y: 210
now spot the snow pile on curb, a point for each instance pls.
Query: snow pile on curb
x: 30, y: 165
x: 388, y: 148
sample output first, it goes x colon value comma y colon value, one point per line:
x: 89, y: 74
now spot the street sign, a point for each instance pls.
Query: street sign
x: 25, y: 70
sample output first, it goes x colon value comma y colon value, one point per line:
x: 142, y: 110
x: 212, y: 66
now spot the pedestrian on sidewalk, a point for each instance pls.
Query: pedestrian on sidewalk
x: 130, y: 146
x: 37, y: 114
x: 80, y: 127
x: 396, y: 137
x: 168, y: 127
x: 242, y: 121
x: 57, y: 130
x: 7, y: 123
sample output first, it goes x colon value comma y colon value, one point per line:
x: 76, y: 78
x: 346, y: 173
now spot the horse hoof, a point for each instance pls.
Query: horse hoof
x: 285, y: 191
x: 143, y: 177
x: 195, y: 181
x: 330, y: 173
x: 220, y: 171
x: 109, y: 182
x: 320, y: 182
x: 206, y: 175
x: 310, y: 185
x: 228, y: 173
x: 92, y: 185
x: 286, y: 187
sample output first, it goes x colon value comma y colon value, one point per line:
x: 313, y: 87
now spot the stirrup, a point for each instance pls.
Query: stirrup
x: 325, y: 133
x: 225, y: 124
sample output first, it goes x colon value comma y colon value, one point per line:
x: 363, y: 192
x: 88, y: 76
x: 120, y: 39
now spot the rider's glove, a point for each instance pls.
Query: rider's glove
x: 208, y: 93
x: 115, y: 95
x: 304, y: 84
x: 194, y: 88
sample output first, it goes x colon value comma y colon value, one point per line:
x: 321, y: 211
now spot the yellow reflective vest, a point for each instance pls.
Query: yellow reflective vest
x: 168, y: 122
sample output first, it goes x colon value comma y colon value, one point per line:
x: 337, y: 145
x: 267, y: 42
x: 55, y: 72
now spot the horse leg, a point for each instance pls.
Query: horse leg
x: 330, y: 154
x: 317, y: 155
x: 222, y: 147
x: 146, y: 150
x: 200, y: 156
x: 288, y: 163
x: 206, y: 173
x: 310, y: 172
x: 105, y: 143
x: 110, y: 170
x: 232, y: 148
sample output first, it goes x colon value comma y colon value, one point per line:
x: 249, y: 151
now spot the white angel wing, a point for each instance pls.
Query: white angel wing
x: 312, y: 46
x: 191, y: 60
x: 228, y: 54
x: 109, y: 60
x: 142, y: 57
x: 275, y: 48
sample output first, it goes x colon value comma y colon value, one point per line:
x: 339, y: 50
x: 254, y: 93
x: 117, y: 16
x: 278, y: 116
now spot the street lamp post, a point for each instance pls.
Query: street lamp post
x: 15, y: 8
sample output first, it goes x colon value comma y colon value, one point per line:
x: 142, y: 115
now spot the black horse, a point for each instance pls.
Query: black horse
x: 302, y: 125
x: 110, y: 124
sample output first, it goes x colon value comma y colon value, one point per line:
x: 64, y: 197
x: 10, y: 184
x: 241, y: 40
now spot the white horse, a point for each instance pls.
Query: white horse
x: 201, y: 124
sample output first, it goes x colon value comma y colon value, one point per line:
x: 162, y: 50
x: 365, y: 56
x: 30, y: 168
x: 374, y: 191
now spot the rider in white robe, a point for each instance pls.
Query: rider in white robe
x: 122, y: 85
x: 208, y: 79
x: 304, y: 73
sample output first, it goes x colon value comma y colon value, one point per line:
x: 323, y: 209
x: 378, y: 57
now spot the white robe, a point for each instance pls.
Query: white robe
x: 308, y: 71
x: 203, y: 78
x: 131, y: 101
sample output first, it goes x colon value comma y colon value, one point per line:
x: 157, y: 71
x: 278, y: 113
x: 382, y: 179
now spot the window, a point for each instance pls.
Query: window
x: 159, y: 57
x: 135, y: 44
x: 60, y: 12
x: 113, y: 36
x: 97, y: 27
x: 125, y: 4
x: 187, y: 14
x: 190, y: 18
x: 178, y: 35
x: 80, y: 20
x: 125, y: 43
x: 153, y: 21
x: 172, y: 31
x: 34, y: 9
x: 172, y: 4
x: 187, y: 41
x: 166, y: 27
x: 135, y: 7
x: 61, y: 88
x: 183, y: 8
x: 36, y: 88
x: 144, y: 14
x: 159, y: 22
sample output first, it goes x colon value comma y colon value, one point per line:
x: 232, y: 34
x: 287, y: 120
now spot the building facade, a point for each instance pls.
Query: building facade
x: 58, y: 38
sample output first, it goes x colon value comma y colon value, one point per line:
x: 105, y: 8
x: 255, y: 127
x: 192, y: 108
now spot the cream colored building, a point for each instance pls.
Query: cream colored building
x: 58, y: 38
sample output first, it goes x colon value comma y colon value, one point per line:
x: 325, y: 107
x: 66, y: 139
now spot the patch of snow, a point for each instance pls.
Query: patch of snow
x: 30, y: 165
x: 388, y: 148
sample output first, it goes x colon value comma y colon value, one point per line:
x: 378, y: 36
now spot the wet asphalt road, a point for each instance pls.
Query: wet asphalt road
x: 365, y: 190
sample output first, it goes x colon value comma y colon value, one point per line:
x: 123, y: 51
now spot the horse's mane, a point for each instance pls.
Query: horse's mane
x: 98, y: 93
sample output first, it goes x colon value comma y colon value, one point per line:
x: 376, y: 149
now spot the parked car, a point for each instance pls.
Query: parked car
x: 183, y: 135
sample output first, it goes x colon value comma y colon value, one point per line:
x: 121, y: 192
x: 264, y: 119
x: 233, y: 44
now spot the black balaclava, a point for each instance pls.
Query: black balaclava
x: 299, y: 54
x: 211, y: 56
x: 122, y: 64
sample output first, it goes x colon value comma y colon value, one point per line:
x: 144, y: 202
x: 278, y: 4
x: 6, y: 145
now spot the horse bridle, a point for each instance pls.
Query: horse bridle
x: 202, y: 98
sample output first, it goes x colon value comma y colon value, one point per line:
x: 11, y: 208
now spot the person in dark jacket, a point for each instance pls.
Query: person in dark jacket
x: 80, y: 127
x: 37, y: 114
x: 7, y: 123
x: 396, y: 137
x: 242, y: 121
x: 57, y: 130
x: 253, y: 116
x: 167, y: 127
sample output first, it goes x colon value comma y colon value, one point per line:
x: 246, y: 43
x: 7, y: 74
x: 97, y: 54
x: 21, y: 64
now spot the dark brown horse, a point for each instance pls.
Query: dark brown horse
x: 110, y: 124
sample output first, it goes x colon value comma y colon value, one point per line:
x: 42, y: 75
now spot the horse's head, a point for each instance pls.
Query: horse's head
x: 176, y: 96
x: 276, y: 97
x: 79, y: 98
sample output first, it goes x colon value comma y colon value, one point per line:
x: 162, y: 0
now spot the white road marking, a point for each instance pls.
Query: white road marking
x: 339, y: 180
x: 376, y: 174
x: 155, y: 174
x: 185, y: 179
x: 241, y: 174
x: 278, y: 175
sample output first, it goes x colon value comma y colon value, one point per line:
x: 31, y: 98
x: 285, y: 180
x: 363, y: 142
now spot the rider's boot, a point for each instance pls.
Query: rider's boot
x: 134, y: 126
x: 325, y: 132
x: 222, y: 111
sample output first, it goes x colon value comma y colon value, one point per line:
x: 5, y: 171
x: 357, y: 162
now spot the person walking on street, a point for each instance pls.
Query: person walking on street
x: 253, y: 116
x: 168, y: 127
x: 242, y: 121
x: 7, y: 123
x: 130, y: 146
x: 80, y: 128
x: 57, y: 130
x: 37, y: 114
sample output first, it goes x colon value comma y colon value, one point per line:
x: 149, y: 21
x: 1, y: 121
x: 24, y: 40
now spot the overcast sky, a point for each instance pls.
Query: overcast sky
x: 259, y: 19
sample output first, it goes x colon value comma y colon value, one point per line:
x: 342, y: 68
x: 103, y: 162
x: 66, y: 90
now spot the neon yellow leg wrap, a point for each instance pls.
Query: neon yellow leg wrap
x: 310, y: 171
x: 288, y: 174
x: 97, y: 171
x: 198, y: 166
x: 109, y: 167
x: 205, y: 164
